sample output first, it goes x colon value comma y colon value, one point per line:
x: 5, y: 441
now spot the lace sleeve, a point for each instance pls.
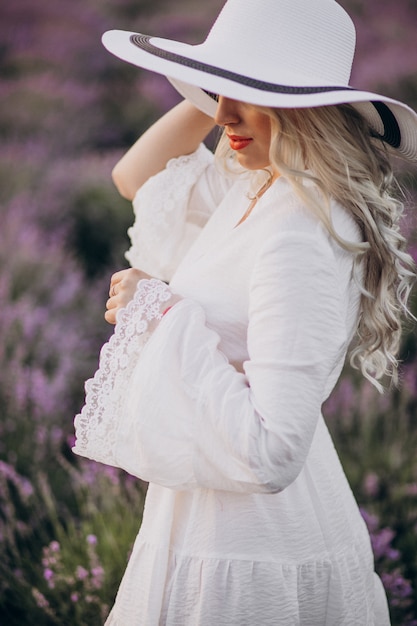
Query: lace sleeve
x: 162, y: 231
x: 175, y: 411
x: 106, y: 394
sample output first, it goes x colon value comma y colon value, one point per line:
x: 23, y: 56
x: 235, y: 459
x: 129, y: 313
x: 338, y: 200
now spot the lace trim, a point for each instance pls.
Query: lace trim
x: 106, y: 394
x: 160, y: 208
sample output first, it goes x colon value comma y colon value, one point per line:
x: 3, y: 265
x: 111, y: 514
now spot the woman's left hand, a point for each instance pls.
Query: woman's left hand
x: 122, y: 289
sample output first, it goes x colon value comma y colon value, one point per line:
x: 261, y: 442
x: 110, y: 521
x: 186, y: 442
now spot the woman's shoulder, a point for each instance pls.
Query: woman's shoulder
x: 293, y: 212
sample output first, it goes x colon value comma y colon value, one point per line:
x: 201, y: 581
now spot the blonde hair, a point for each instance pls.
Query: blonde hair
x: 346, y: 162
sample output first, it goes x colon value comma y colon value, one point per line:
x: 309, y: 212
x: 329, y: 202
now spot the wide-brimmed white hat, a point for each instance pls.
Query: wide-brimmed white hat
x: 276, y: 53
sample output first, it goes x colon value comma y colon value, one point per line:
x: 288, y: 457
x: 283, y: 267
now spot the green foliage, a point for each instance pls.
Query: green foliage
x: 376, y: 438
x: 93, y: 236
x: 74, y: 553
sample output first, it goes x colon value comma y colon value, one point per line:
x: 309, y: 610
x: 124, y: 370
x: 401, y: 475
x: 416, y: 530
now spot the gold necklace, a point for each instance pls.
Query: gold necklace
x: 254, y: 199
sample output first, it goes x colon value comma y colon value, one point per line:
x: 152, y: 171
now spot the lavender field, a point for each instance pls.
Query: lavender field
x: 68, y: 110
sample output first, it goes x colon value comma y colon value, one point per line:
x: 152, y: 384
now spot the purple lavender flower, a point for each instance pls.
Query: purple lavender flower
x: 97, y: 577
x: 81, y: 573
x: 92, y: 540
x: 371, y: 484
x: 40, y: 599
x: 49, y: 576
x: 400, y: 589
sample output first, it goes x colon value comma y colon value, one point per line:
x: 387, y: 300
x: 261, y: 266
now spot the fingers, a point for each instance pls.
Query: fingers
x: 110, y: 317
x: 125, y: 279
x: 115, y: 280
x: 114, y: 302
x: 122, y: 289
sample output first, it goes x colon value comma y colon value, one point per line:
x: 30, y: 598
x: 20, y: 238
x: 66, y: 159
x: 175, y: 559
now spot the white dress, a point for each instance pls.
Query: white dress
x: 249, y: 519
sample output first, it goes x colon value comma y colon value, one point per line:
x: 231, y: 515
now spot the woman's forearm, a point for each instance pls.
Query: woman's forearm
x: 178, y: 132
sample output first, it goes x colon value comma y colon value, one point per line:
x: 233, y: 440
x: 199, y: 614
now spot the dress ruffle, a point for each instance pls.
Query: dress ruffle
x: 207, y: 591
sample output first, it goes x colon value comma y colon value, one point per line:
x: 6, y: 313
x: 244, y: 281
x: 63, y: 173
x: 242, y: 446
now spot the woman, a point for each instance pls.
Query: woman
x: 251, y: 276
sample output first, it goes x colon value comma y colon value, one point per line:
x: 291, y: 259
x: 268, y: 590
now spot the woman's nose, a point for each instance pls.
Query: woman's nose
x: 226, y: 112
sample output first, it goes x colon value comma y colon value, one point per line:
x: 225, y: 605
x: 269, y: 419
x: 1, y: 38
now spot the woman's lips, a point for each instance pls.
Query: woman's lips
x: 238, y: 143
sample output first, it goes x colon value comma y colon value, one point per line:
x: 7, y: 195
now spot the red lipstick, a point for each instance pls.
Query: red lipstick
x: 237, y: 142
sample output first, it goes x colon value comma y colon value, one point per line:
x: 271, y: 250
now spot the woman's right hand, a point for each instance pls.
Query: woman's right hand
x: 122, y: 289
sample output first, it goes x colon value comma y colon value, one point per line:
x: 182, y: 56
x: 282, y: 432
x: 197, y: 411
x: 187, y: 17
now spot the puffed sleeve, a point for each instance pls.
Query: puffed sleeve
x: 171, y: 208
x: 191, y: 420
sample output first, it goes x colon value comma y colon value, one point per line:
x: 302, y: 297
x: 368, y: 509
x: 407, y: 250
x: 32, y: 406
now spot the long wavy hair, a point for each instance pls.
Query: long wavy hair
x: 348, y: 163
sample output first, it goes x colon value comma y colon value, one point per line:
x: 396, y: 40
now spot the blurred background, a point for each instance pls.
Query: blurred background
x: 68, y: 111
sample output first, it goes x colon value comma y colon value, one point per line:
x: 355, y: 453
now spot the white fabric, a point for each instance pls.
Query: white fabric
x: 279, y: 59
x: 97, y: 430
x: 248, y: 518
x: 164, y: 230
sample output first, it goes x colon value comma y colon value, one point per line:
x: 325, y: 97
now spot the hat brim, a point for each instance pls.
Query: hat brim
x: 393, y: 121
